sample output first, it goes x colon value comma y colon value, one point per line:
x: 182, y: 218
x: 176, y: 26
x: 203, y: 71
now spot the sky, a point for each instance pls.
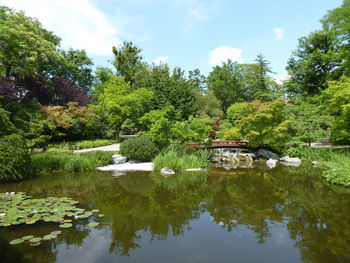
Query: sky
x: 186, y: 33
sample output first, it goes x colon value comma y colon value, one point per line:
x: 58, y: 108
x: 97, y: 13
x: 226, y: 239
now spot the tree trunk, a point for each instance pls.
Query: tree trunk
x: 117, y: 131
x: 8, y: 70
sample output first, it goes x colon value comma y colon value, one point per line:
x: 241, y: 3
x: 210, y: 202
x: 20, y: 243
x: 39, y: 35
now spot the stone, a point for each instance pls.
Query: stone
x: 166, y: 171
x: 119, y: 159
x: 315, y: 163
x: 288, y: 159
x: 196, y: 170
x: 271, y: 163
x: 267, y: 154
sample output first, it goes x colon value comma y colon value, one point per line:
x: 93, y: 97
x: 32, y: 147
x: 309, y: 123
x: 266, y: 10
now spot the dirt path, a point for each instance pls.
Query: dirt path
x: 108, y: 148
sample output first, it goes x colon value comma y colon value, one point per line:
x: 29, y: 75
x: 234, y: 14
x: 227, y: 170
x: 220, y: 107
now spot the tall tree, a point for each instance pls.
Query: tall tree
x: 226, y: 83
x: 197, y: 79
x: 127, y: 61
x: 26, y: 48
x: 315, y: 61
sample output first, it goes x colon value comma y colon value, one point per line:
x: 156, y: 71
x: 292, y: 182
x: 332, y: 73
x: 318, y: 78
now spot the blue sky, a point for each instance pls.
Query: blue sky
x: 186, y: 33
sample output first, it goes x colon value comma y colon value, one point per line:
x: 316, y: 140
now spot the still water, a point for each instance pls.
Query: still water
x: 287, y: 214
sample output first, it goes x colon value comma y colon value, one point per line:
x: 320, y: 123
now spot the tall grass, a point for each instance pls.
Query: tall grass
x: 49, y: 162
x: 336, y: 162
x: 175, y: 162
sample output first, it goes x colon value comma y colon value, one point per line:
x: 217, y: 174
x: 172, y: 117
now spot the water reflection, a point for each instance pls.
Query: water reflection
x: 291, y: 206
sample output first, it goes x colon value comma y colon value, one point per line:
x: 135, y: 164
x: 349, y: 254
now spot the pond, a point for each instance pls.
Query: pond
x: 286, y: 214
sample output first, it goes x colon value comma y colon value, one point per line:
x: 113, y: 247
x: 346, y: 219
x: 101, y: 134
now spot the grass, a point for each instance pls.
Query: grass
x: 65, y: 161
x: 335, y: 161
x: 176, y: 162
x: 78, y: 145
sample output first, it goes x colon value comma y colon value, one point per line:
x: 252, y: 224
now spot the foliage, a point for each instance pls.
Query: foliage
x: 15, y: 161
x: 231, y: 134
x: 121, y: 103
x: 208, y: 105
x: 27, y: 48
x: 338, y: 95
x: 315, y: 61
x: 140, y: 148
x: 78, y: 162
x: 176, y: 162
x: 6, y: 126
x: 260, y: 123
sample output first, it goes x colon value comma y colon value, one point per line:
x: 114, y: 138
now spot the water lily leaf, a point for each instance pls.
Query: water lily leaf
x: 101, y: 215
x: 48, y: 237
x: 56, y: 232
x: 66, y: 225
x: 95, y: 211
x: 34, y: 244
x: 27, y: 237
x: 67, y: 220
x: 93, y: 224
x: 16, y: 241
x: 35, y: 239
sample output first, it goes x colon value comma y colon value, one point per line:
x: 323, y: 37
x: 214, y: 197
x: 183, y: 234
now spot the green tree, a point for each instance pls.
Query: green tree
x: 197, y: 80
x: 315, y: 61
x: 338, y: 95
x: 226, y: 83
x: 338, y: 21
x: 127, y: 61
x: 26, y: 47
x: 261, y: 123
x: 119, y: 102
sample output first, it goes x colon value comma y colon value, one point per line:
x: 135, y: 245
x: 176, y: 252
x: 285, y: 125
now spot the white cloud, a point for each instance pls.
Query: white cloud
x: 280, y: 79
x: 224, y: 53
x: 79, y: 23
x: 160, y: 59
x: 279, y: 32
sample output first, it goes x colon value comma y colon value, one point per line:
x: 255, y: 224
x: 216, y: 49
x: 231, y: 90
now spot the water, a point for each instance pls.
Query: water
x: 286, y: 214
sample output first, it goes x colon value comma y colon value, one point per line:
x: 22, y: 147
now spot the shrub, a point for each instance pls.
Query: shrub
x: 15, y: 161
x: 141, y: 148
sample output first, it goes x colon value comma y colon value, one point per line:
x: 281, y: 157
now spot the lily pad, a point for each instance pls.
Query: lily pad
x: 34, y: 244
x: 16, y: 241
x: 27, y: 237
x: 35, y: 239
x: 56, y: 232
x: 66, y: 225
x: 48, y: 237
x: 95, y: 211
x: 101, y: 215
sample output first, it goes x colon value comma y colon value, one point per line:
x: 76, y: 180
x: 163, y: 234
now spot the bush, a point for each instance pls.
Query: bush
x: 15, y: 161
x: 49, y: 162
x: 141, y: 148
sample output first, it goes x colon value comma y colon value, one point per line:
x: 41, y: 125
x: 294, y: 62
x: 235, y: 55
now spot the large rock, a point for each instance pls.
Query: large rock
x: 288, y: 161
x: 267, y: 154
x: 166, y: 172
x: 119, y: 159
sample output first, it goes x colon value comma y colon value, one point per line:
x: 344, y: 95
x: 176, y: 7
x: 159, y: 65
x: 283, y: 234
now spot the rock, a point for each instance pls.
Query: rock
x: 166, y: 172
x: 287, y: 159
x: 271, y: 163
x: 196, y: 170
x: 119, y: 159
x: 315, y: 163
x: 267, y: 154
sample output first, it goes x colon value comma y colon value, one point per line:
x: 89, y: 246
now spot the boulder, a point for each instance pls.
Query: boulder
x: 271, y: 163
x: 287, y: 159
x: 267, y: 154
x: 315, y: 163
x: 166, y: 172
x: 119, y: 159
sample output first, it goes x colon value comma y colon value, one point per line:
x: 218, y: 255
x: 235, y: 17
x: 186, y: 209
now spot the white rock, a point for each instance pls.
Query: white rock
x: 128, y: 167
x: 315, y: 163
x: 288, y: 159
x: 166, y: 172
x: 119, y: 159
x: 271, y: 163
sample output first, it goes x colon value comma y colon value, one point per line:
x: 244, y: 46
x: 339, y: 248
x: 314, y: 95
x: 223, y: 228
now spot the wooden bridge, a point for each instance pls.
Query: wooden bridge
x: 221, y: 144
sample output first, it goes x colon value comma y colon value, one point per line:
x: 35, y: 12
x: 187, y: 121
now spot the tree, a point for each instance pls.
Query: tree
x: 225, y: 82
x: 26, y: 48
x: 315, y: 61
x: 127, y: 61
x: 338, y: 95
x: 208, y: 105
x: 76, y: 66
x: 120, y: 102
x: 260, y: 123
x: 338, y: 21
x: 197, y: 80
